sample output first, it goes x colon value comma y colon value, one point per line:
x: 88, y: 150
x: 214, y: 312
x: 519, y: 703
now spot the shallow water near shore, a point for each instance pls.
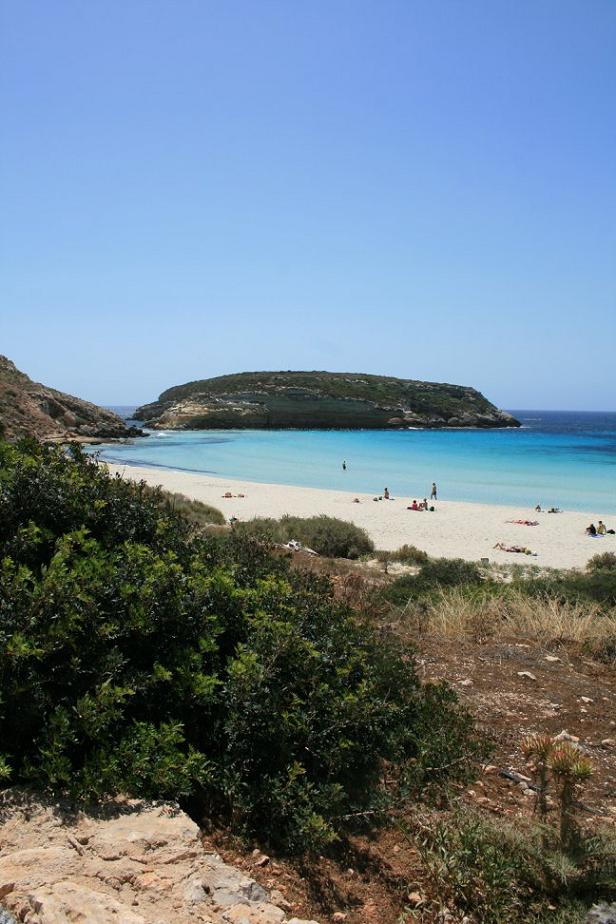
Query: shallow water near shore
x: 565, y: 459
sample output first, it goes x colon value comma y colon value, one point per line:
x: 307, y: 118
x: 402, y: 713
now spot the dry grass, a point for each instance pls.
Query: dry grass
x: 453, y: 614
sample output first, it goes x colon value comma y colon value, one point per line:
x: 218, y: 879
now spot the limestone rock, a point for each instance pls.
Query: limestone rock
x: 6, y: 917
x: 329, y: 400
x: 602, y: 914
x: 131, y: 863
x: 28, y: 408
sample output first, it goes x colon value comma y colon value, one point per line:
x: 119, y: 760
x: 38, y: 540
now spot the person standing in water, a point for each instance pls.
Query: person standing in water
x: 344, y: 466
x: 433, y: 495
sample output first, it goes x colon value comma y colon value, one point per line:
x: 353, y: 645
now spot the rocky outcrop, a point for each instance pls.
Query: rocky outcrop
x: 28, y: 408
x: 602, y: 914
x: 130, y: 863
x: 313, y: 400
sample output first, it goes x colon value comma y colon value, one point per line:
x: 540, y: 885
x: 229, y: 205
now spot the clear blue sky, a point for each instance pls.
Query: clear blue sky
x: 424, y: 189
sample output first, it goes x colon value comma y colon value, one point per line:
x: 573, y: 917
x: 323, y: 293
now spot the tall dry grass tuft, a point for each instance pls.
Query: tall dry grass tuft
x: 456, y: 614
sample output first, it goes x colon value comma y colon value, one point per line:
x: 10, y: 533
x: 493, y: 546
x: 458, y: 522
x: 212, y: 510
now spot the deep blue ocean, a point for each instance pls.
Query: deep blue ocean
x: 566, y: 459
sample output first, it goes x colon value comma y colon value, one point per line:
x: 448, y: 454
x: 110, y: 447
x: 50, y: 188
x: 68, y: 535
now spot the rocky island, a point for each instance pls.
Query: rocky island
x: 320, y: 400
x: 28, y: 408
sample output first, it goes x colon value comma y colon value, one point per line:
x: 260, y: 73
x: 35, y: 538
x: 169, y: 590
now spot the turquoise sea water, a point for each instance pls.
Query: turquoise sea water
x: 557, y: 458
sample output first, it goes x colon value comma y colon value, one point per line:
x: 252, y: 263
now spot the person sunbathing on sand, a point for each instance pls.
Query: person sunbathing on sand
x: 591, y: 530
x: 521, y: 549
x: 414, y: 506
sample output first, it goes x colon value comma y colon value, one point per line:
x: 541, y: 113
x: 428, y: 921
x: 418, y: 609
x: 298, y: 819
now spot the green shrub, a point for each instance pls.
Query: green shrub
x: 138, y: 657
x: 326, y: 535
x: 603, y: 650
x: 497, y: 874
x: 598, y: 586
x: 603, y: 562
x: 409, y: 555
x: 406, y: 555
x: 194, y: 511
x: 449, y: 572
x: 433, y: 575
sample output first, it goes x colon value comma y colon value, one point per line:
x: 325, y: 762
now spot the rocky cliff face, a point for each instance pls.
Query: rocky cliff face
x: 131, y: 863
x: 312, y: 400
x: 29, y: 408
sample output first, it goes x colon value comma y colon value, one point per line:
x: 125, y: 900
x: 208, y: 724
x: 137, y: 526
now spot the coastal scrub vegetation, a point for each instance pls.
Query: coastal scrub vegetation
x: 328, y: 536
x: 143, y: 657
x: 498, y: 873
x: 426, y: 398
x: 454, y: 598
x: 195, y: 511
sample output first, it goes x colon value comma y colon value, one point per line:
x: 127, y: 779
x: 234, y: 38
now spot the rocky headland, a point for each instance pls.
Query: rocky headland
x: 28, y: 408
x: 320, y: 400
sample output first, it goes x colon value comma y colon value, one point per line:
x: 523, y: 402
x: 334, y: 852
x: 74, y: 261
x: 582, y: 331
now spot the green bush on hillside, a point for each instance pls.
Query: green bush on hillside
x: 597, y: 585
x: 605, y: 561
x: 433, y: 575
x: 409, y: 555
x: 326, y: 535
x: 195, y: 511
x: 140, y: 658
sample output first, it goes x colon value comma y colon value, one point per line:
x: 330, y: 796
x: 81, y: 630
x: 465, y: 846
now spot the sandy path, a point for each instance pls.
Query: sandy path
x: 455, y: 529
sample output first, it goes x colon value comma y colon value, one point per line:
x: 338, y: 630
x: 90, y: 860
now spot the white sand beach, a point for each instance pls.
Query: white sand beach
x: 455, y: 530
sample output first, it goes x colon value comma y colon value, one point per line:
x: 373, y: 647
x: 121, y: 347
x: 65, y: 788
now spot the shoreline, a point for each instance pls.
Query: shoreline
x: 457, y: 529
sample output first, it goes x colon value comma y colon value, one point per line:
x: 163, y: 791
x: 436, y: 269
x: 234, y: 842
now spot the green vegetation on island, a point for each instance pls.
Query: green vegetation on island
x: 327, y: 400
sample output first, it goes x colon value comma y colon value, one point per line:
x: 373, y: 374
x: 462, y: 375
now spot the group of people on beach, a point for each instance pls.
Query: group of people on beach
x: 422, y: 505
x: 599, y: 530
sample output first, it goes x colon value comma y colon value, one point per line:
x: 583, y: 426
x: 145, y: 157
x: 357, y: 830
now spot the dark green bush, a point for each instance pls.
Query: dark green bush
x: 194, y: 511
x: 598, y: 586
x: 326, y: 535
x: 138, y: 657
x: 603, y: 562
x: 433, y: 574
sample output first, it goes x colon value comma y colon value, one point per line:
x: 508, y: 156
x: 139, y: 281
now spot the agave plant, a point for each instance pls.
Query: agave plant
x: 537, y: 750
x: 571, y: 769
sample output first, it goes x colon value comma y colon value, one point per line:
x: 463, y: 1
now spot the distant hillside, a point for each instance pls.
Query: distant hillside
x: 28, y: 408
x: 328, y: 400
